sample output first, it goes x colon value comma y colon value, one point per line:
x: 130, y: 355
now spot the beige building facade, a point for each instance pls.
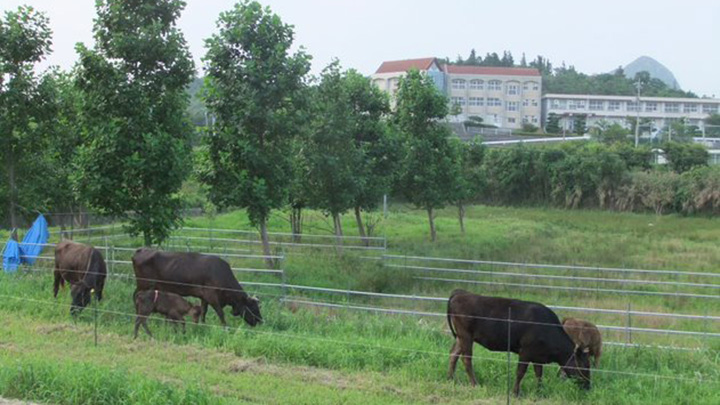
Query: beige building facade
x: 503, y: 97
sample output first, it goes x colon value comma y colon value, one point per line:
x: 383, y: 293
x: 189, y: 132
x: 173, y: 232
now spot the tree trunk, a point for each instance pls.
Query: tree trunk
x: 269, y: 262
x: 148, y: 240
x: 431, y: 218
x: 296, y: 224
x: 361, y: 227
x: 461, y: 216
x: 338, y: 232
x: 13, y: 194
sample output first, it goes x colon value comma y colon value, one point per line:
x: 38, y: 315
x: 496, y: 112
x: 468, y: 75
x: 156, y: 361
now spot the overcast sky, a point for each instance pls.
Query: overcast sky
x: 594, y: 36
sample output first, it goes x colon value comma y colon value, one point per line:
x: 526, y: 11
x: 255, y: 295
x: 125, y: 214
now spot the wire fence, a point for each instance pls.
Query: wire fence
x: 607, y: 374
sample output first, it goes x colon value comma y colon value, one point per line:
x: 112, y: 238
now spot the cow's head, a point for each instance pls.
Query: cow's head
x: 578, y: 367
x: 80, y: 294
x: 248, y: 307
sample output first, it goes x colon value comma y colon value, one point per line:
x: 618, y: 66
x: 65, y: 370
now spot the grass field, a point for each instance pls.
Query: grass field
x: 312, y: 355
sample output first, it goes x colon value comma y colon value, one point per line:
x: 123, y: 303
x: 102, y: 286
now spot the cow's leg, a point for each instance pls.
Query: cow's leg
x: 521, y: 369
x: 454, y: 357
x: 219, y: 310
x: 466, y: 347
x: 538, y: 373
x: 56, y: 284
x: 204, y: 305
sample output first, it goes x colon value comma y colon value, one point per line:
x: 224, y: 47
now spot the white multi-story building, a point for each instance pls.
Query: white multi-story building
x: 661, y: 111
x: 502, y: 96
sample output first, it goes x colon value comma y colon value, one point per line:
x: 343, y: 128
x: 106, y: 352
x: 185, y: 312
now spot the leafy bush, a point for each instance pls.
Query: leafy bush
x: 684, y: 156
x: 699, y: 190
x: 653, y: 190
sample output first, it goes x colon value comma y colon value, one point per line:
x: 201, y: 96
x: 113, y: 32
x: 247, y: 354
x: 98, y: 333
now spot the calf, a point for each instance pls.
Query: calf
x: 586, y: 337
x: 535, y: 334
x: 172, y: 306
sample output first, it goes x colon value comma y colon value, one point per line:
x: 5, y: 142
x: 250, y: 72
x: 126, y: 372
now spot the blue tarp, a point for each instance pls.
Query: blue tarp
x: 11, y: 256
x: 32, y: 243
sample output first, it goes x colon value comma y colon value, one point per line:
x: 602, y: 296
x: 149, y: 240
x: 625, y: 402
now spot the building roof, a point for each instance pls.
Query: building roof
x: 405, y: 65
x: 491, y: 70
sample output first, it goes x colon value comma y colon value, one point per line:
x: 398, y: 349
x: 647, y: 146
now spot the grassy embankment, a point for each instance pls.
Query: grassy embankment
x: 381, y: 358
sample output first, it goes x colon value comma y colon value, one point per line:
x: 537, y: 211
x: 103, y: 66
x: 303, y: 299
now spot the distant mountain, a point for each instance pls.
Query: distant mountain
x: 655, y: 68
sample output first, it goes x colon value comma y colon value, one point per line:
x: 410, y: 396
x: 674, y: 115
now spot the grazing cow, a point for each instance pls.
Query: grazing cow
x: 84, y: 268
x: 586, y: 337
x: 172, y: 306
x: 192, y: 274
x: 535, y: 334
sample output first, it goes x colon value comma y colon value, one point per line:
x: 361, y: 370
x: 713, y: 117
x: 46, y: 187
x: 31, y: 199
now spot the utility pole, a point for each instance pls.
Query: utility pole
x: 638, y: 86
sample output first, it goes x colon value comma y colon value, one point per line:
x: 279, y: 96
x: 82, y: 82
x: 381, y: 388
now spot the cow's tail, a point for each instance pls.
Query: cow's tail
x: 449, y: 317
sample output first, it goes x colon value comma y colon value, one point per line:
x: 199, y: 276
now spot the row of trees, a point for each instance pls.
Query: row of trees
x: 113, y: 136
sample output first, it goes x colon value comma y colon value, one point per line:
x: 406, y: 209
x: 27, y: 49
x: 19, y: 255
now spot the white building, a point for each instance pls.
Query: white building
x: 661, y: 111
x: 502, y: 96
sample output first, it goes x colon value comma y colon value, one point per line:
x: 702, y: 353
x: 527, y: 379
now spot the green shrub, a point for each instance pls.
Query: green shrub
x: 684, y: 156
x: 699, y: 190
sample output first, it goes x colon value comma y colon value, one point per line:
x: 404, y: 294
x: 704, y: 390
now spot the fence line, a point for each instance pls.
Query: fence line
x: 442, y: 299
x: 220, y: 230
x: 553, y: 266
x: 553, y: 277
x: 567, y: 288
x: 443, y: 315
x: 371, y: 346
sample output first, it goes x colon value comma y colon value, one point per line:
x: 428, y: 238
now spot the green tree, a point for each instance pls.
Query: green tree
x: 580, y: 124
x: 712, y: 125
x: 469, y: 181
x: 684, y: 156
x: 553, y: 124
x: 25, y: 39
x: 610, y: 133
x: 136, y: 151
x: 252, y: 81
x: 332, y: 153
x: 428, y: 174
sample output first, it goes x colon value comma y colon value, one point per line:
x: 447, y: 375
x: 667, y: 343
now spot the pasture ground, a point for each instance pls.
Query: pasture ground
x: 311, y: 355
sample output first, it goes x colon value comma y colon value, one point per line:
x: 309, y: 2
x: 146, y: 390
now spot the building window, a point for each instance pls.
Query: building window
x: 476, y: 101
x: 536, y: 86
x: 710, y: 108
x: 511, y: 120
x: 513, y: 89
x: 458, y: 101
x: 559, y: 104
x: 458, y: 84
x: 512, y: 106
x: 534, y: 103
x: 597, y: 105
x: 495, y: 85
x: 614, y: 106
x: 672, y: 107
x: 649, y: 107
x: 576, y: 105
x: 494, y: 102
x: 526, y: 103
x: 633, y: 106
x: 476, y: 84
x: 534, y: 119
x: 690, y: 108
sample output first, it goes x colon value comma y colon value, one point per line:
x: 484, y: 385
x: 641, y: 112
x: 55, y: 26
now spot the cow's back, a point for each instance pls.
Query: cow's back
x: 486, y: 320
x: 180, y: 272
x: 71, y: 259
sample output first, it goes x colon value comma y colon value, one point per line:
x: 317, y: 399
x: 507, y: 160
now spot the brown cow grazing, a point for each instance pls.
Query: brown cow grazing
x: 172, y: 306
x: 209, y: 278
x: 586, y: 337
x: 535, y: 334
x: 84, y: 268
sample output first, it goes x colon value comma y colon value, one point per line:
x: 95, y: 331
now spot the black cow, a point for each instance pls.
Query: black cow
x: 84, y: 268
x: 536, y: 335
x: 192, y: 274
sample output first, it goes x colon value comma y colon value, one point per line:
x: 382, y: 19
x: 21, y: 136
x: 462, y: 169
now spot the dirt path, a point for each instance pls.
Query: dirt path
x: 4, y: 401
